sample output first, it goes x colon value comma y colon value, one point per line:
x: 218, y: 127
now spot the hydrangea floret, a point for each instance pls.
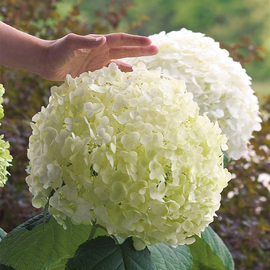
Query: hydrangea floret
x: 219, y: 84
x: 130, y: 152
x: 5, y: 157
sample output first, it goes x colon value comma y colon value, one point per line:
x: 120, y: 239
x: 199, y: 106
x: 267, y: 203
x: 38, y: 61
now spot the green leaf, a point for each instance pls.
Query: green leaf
x: 36, y: 246
x: 210, y: 252
x: 2, y: 234
x: 218, y: 246
x: 169, y: 258
x: 103, y: 253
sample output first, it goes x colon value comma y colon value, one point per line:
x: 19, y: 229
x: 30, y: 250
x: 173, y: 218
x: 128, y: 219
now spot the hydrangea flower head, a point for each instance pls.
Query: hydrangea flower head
x: 5, y: 157
x: 130, y: 151
x: 220, y: 85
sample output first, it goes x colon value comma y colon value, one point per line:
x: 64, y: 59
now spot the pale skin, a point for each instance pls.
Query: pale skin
x: 73, y: 54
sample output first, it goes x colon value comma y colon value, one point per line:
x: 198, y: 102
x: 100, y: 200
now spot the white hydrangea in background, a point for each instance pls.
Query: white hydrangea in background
x: 5, y: 157
x: 220, y: 85
x: 130, y: 151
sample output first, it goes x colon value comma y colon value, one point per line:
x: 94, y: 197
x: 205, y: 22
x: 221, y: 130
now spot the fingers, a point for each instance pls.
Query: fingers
x: 120, y: 44
x: 122, y: 39
x: 75, y: 42
x: 132, y: 51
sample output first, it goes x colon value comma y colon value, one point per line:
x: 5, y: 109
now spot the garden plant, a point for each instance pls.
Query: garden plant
x: 127, y: 170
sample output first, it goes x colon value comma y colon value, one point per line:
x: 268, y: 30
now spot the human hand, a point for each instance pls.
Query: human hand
x: 74, y: 54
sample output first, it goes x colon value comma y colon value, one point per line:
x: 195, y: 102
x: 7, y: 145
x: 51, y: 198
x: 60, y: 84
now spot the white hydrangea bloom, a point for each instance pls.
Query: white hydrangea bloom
x: 5, y: 157
x: 220, y: 85
x: 130, y: 151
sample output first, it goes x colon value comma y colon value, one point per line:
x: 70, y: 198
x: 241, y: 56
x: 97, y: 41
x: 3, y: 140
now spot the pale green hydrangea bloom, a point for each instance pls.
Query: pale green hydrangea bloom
x: 220, y: 85
x: 5, y: 157
x: 130, y: 151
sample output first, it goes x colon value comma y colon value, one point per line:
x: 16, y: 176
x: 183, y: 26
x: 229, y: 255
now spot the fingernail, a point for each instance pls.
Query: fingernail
x: 99, y: 39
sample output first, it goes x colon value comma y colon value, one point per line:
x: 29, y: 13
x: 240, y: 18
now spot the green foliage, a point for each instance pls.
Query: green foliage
x: 103, y: 253
x: 36, y: 246
x: 218, y: 247
x: 170, y: 258
x: 209, y: 252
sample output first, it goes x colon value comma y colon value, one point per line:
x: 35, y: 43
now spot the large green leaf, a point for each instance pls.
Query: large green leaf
x: 170, y: 258
x: 210, y: 253
x: 35, y: 245
x: 103, y: 253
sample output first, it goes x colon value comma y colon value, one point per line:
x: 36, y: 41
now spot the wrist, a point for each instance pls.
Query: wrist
x: 42, y: 57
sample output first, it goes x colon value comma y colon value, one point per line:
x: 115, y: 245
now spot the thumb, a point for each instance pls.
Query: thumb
x: 75, y: 42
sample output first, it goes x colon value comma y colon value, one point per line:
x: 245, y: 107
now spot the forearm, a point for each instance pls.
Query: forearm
x: 20, y: 50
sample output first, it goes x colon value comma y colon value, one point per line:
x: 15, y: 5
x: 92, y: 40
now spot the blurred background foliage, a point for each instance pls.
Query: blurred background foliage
x: 241, y: 26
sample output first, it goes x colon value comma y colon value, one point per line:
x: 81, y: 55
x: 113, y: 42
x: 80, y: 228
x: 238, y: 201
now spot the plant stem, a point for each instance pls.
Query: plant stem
x: 93, y: 231
x: 115, y: 239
